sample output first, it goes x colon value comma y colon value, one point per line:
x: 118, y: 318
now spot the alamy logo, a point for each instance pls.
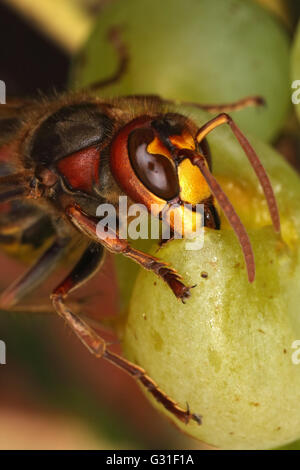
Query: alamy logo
x: 2, y: 92
x: 167, y: 221
x: 2, y: 352
x: 296, y: 353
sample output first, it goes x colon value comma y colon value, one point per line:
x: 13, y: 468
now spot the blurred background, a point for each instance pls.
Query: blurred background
x: 53, y: 393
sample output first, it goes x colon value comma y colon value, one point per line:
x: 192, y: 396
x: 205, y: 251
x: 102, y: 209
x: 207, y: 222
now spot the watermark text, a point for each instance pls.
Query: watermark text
x: 166, y: 221
x: 2, y: 92
x: 2, y: 352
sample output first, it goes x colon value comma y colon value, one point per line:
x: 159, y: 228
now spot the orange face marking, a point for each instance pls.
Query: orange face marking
x: 183, y: 141
x: 156, y: 147
x: 193, y: 186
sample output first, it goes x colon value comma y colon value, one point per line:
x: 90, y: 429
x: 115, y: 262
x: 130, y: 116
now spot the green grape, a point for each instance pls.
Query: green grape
x: 198, y: 50
x: 228, y: 351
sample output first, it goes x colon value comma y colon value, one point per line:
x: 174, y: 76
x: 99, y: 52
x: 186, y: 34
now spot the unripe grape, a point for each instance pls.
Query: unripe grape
x: 198, y: 50
x: 228, y: 351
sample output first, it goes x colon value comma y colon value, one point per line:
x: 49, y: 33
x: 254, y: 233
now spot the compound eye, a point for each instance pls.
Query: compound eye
x: 157, y: 172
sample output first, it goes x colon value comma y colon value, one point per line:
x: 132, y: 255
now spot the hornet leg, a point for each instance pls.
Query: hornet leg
x: 85, y: 268
x: 90, y: 226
